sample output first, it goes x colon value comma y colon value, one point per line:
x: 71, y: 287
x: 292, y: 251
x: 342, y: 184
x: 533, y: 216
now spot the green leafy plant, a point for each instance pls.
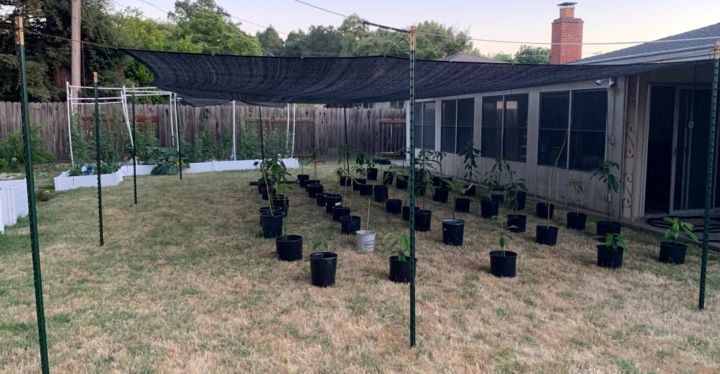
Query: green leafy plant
x: 502, y: 235
x: 398, y: 244
x: 165, y: 161
x: 12, y: 150
x: 513, y: 189
x: 615, y: 241
x: 249, y: 145
x: 470, y: 157
x: 494, y: 179
x: 458, y: 189
x: 577, y: 187
x: 676, y: 227
x: 426, y: 161
x: 604, y: 173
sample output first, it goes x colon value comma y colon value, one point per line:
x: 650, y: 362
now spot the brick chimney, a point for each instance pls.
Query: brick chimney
x: 566, y: 29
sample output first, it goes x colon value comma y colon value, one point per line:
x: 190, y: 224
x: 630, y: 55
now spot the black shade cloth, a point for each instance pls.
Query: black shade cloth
x: 199, y: 78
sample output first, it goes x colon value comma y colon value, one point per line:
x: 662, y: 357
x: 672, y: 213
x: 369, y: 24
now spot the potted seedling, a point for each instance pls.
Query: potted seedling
x: 503, y: 263
x: 610, y: 254
x: 604, y: 173
x: 302, y: 178
x: 459, y: 189
x: 365, y: 240
x: 359, y: 170
x: 371, y: 172
x: 470, y: 156
x: 401, y: 176
x: 271, y: 221
x: 453, y: 229
x: 575, y: 219
x: 515, y: 199
x: 399, y: 246
x: 671, y: 250
x: 495, y: 180
x: 323, y: 264
x: 441, y: 190
x: 380, y: 191
x: 489, y: 207
x: 547, y: 234
x: 427, y: 160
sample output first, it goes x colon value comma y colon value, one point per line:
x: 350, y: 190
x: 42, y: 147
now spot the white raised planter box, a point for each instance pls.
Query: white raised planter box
x: 13, y: 202
x: 212, y: 166
x: 141, y: 170
x: 64, y: 182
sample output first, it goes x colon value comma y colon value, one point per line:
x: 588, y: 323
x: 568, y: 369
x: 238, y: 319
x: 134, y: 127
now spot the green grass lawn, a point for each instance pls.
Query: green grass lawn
x: 185, y: 283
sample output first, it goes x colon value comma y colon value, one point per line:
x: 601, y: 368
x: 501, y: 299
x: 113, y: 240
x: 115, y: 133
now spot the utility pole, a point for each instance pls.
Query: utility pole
x: 75, y: 45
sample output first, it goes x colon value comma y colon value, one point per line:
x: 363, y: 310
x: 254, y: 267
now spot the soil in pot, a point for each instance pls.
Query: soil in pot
x: 388, y: 177
x: 271, y: 225
x: 503, y: 263
x: 453, y: 231
x: 399, y: 270
x: 339, y: 211
x: 488, y: 208
x: 542, y: 210
x: 576, y: 221
x: 283, y: 202
x: 607, y: 227
x: 406, y: 212
x: 320, y: 199
x: 366, y: 190
x: 393, y: 206
x: 323, y: 266
x: 313, y: 190
x: 423, y: 218
x: 371, y: 174
x: 516, y: 223
x: 462, y: 204
x: 672, y: 252
x: 546, y: 235
x: 441, y: 194
x: 357, y: 182
x: 289, y: 247
x: 380, y: 193
x: 332, y: 200
x: 349, y: 224
x: 302, y: 179
x: 365, y: 240
x: 401, y: 182
x: 608, y: 257
x: 470, y: 190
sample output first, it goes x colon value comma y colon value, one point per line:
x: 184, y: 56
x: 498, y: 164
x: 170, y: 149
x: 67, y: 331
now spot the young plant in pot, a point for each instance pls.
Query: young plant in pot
x: 371, y: 172
x: 302, y: 178
x: 402, y: 175
x: 503, y: 263
x: 604, y: 173
x: 470, y: 157
x: 343, y: 170
x: 271, y: 221
x: 610, y: 254
x: 489, y: 207
x: 359, y: 171
x: 514, y: 192
x: 494, y: 180
x: 365, y: 239
x: 399, y: 246
x: 459, y: 189
x: 575, y: 219
x: 323, y: 264
x: 441, y: 190
x: 426, y: 161
x: 453, y: 229
x: 671, y: 250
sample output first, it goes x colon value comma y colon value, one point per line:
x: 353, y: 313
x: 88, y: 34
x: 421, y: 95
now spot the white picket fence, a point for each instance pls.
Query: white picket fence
x: 13, y: 202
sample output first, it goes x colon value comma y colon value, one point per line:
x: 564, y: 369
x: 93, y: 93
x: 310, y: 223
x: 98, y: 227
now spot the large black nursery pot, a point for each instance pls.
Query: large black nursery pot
x: 323, y: 266
x: 406, y: 212
x: 366, y: 190
x: 497, y: 196
x: 608, y: 257
x: 302, y: 179
x: 488, y: 208
x: 399, y: 270
x: 516, y: 223
x: 401, y: 182
x: 332, y: 200
x: 576, y: 221
x: 470, y: 190
x: 503, y: 263
x: 320, y: 199
x: 313, y: 190
x: 371, y: 174
x: 289, y: 247
x: 340, y: 211
x: 380, y: 193
x: 462, y: 204
x: 672, y: 252
x: 543, y: 211
x: 607, y: 227
x: 520, y: 198
x: 393, y: 206
x: 441, y: 194
x: 388, y: 177
x: 344, y: 180
x: 453, y: 231
x: 423, y: 218
x: 357, y: 182
x: 311, y: 181
x: 277, y: 211
x: 283, y: 202
x: 545, y: 234
x: 271, y: 225
x: 264, y: 193
x: 349, y: 224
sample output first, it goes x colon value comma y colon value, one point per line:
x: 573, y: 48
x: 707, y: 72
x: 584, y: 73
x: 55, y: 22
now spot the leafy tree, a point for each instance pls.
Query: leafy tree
x: 270, y: 41
x: 532, y: 55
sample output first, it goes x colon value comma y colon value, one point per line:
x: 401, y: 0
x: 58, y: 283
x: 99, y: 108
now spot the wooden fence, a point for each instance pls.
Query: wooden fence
x: 369, y: 130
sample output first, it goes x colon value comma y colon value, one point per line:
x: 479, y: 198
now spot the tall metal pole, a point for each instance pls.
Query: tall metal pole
x: 134, y: 145
x: 32, y: 206
x: 97, y: 160
x: 411, y: 198
x: 709, y: 176
x: 177, y: 131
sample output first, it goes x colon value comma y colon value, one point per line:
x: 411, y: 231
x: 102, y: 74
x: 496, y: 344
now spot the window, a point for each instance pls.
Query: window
x: 457, y: 121
x: 580, y: 129
x: 425, y: 125
x: 465, y: 123
x: 448, y: 123
x: 504, y: 127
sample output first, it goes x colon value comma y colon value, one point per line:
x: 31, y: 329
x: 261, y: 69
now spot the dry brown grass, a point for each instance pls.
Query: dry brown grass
x: 185, y: 284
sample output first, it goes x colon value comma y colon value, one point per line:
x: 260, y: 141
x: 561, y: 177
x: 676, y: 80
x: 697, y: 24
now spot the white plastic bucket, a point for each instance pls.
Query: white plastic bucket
x: 365, y: 240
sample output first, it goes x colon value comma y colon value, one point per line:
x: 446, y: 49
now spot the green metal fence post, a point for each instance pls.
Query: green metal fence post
x: 411, y: 198
x: 97, y: 160
x: 134, y: 145
x: 177, y: 129
x: 709, y: 176
x: 32, y: 205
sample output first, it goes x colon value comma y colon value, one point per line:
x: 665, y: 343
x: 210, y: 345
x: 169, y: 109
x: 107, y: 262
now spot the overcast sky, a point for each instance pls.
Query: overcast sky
x: 528, y: 20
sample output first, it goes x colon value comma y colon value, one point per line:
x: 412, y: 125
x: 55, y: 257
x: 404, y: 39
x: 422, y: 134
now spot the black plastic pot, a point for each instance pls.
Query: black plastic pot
x: 311, y: 181
x: 406, y: 212
x: 320, y: 199
x: 271, y: 225
x: 366, y: 190
x: 520, y: 198
x: 672, y: 252
x: 441, y: 194
x: 323, y: 266
x: 340, y: 211
x: 380, y: 192
x: 545, y: 234
x: 266, y: 211
x: 453, y: 231
x: 608, y: 227
x: 497, y: 196
x: 401, y: 182
x: 542, y: 211
x: 283, y: 202
x: 423, y: 219
x: 516, y: 223
x: 399, y: 270
x: 313, y: 190
x: 302, y: 179
x: 349, y: 224
x: 470, y: 190
x: 344, y: 181
x: 264, y: 193
x: 576, y: 221
x: 388, y: 177
x: 289, y: 247
x: 332, y: 200
x: 393, y: 206
x: 436, y: 181
x: 503, y: 263
x: 608, y: 257
x: 488, y: 208
x: 371, y: 174
x: 462, y: 204
x: 357, y: 182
